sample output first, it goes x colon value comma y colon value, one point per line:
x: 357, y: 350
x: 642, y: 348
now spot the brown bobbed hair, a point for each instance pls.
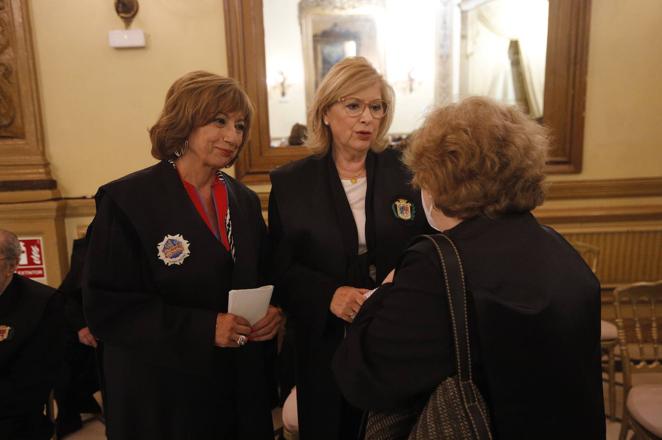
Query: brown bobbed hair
x: 192, y: 101
x: 478, y: 157
x: 347, y: 77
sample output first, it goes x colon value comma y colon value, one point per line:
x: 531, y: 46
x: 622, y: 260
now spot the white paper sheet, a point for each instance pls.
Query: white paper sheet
x: 252, y: 304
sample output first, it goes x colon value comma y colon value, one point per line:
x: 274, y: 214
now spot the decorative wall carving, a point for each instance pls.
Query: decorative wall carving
x: 23, y: 166
x: 10, y: 121
x: 7, y: 108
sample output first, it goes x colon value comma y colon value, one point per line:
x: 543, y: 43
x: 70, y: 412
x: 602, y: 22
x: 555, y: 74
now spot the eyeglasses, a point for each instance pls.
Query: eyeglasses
x: 355, y: 107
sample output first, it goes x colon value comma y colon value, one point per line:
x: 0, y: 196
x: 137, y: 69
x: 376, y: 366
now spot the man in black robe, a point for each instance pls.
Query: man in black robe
x: 31, y: 328
x: 78, y: 380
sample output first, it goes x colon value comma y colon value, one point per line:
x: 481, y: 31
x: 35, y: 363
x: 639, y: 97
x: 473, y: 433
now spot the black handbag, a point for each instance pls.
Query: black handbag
x: 455, y: 410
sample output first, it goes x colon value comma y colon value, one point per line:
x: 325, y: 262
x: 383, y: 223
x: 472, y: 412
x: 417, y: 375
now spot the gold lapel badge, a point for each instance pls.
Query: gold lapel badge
x: 6, y: 332
x: 404, y: 209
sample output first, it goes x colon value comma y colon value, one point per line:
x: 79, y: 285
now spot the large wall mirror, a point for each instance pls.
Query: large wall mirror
x: 530, y: 53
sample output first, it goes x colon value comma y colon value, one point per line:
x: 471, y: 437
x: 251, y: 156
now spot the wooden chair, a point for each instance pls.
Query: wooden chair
x: 640, y: 348
x: 608, y: 331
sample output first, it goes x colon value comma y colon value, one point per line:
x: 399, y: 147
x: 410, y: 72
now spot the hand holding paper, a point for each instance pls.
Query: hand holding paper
x: 267, y: 327
x: 251, y: 304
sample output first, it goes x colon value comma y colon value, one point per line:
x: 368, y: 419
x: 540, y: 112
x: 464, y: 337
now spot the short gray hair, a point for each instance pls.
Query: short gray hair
x: 10, y: 247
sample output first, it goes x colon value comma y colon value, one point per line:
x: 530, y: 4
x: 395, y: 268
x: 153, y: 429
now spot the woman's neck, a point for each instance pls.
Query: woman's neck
x: 349, y: 164
x: 195, y: 172
x: 442, y: 221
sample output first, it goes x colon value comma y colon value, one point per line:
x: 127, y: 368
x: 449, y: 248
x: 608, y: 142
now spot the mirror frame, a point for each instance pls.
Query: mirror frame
x: 565, y: 86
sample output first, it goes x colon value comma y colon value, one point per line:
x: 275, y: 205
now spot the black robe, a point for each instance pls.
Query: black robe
x: 78, y: 380
x: 163, y: 376
x: 535, y: 315
x: 30, y: 359
x: 315, y: 251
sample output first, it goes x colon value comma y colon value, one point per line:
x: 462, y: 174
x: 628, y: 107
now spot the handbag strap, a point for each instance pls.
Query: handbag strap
x: 453, y: 274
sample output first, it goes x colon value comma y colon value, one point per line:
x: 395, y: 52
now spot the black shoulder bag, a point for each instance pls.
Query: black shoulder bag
x: 455, y: 409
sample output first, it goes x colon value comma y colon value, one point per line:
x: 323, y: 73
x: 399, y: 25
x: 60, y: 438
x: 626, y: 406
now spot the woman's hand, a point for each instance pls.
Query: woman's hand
x: 231, y: 330
x: 267, y: 327
x: 347, y: 302
x: 86, y: 337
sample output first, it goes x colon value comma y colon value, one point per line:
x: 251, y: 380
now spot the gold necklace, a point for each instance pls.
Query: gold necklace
x: 352, y: 179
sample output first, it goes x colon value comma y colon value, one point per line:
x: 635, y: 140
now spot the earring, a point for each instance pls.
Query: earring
x: 179, y: 153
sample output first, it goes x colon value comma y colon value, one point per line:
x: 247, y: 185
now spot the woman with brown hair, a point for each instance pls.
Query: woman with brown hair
x: 166, y: 246
x: 338, y: 219
x: 534, y: 305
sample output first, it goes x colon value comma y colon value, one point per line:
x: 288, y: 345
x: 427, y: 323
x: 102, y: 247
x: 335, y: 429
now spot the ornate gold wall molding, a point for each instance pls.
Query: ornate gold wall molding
x: 580, y: 189
x: 23, y: 165
x: 79, y: 208
x: 591, y: 189
x: 558, y: 214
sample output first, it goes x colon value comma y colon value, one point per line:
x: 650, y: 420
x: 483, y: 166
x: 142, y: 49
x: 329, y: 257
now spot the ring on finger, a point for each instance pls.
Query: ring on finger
x: 241, y: 340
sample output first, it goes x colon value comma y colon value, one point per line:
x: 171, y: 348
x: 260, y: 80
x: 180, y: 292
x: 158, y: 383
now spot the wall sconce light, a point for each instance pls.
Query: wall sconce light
x: 410, y: 83
x: 126, y: 38
x: 279, y: 83
x: 126, y: 10
x: 282, y: 85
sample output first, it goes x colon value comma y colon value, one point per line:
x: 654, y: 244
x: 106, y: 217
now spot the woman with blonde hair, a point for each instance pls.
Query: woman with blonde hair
x: 533, y: 304
x: 338, y: 219
x: 166, y: 246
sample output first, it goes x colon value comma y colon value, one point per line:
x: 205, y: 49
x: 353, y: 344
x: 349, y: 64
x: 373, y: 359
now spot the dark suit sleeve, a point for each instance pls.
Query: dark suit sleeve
x: 123, y: 310
x: 74, y: 313
x: 32, y: 374
x: 71, y: 288
x: 304, y: 292
x: 265, y: 251
x: 397, y: 350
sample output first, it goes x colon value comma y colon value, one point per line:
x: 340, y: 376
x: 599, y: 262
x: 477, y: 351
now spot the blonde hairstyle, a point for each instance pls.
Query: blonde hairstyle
x: 192, y: 101
x: 479, y: 157
x: 349, y: 76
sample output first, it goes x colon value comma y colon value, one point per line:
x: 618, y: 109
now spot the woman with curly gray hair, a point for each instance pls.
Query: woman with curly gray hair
x: 534, y: 305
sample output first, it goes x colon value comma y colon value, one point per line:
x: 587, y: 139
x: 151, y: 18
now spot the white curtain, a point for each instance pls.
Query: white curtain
x: 491, y: 26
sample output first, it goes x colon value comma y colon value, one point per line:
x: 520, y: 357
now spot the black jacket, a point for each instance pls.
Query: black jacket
x: 535, y: 330
x: 30, y: 359
x: 78, y: 379
x: 315, y: 251
x: 71, y: 287
x: 164, y: 378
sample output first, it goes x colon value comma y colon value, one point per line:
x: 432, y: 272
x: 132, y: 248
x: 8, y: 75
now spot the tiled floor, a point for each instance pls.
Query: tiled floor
x: 94, y: 429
